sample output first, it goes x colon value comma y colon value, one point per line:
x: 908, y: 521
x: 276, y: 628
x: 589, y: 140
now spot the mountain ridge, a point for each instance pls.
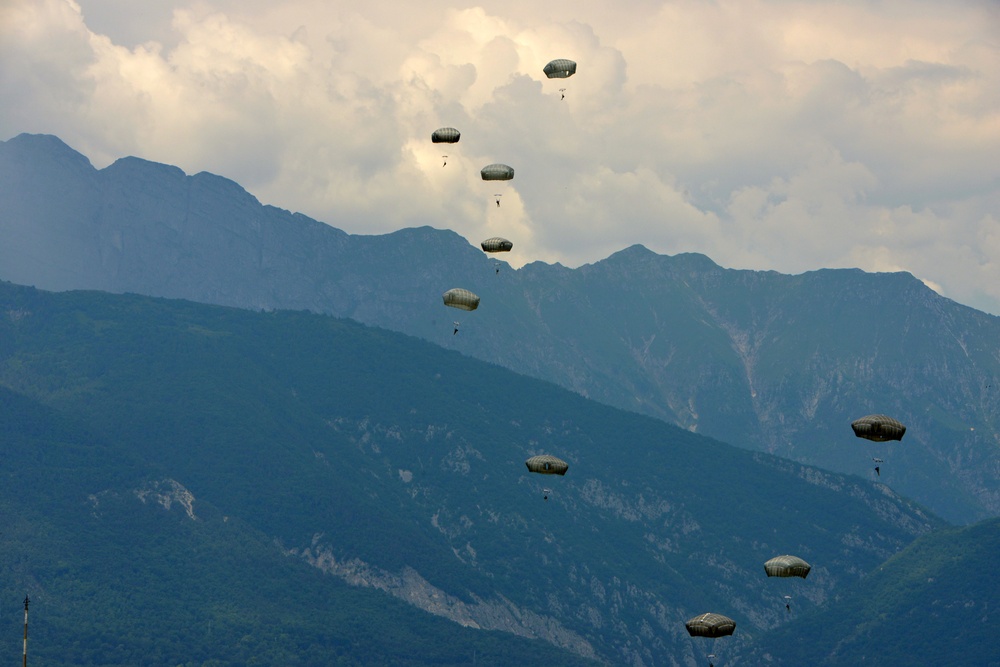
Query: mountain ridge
x: 778, y: 363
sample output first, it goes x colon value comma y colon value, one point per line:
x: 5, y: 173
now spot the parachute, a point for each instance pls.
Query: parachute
x: 560, y: 68
x: 879, y: 428
x: 547, y: 465
x: 461, y: 298
x: 496, y: 244
x: 445, y: 135
x: 710, y: 625
x: 787, y: 566
x: 497, y: 172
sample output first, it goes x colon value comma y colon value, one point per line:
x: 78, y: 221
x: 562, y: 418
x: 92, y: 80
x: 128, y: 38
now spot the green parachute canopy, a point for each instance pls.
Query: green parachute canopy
x: 497, y: 244
x: 445, y: 135
x: 710, y: 625
x: 560, y: 68
x: 461, y: 298
x: 879, y: 428
x: 787, y: 566
x: 497, y: 172
x: 547, y: 465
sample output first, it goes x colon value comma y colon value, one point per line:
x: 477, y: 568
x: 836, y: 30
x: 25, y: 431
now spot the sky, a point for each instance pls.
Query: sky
x: 769, y: 135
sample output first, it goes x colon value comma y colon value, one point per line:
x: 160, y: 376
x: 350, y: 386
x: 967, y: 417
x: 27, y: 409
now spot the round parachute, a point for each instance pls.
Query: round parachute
x: 787, y: 566
x: 461, y: 298
x: 445, y: 135
x: 497, y: 244
x: 879, y: 428
x: 560, y: 68
x: 497, y: 172
x: 710, y: 625
x: 547, y: 465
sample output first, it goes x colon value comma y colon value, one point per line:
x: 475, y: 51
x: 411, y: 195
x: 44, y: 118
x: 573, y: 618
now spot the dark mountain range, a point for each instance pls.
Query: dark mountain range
x: 184, y: 477
x: 771, y: 362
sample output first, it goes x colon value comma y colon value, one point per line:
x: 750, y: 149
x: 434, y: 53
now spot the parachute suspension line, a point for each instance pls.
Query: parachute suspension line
x: 26, y: 602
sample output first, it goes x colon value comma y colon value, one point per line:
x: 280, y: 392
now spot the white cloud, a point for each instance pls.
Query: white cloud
x: 772, y: 135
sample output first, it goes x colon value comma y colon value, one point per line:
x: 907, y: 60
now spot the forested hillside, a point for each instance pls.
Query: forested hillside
x: 932, y: 604
x: 200, y: 471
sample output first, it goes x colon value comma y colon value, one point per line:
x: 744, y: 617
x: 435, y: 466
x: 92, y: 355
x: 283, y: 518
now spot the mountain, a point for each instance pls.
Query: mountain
x: 776, y: 363
x: 935, y: 601
x: 142, y: 573
x: 173, y: 470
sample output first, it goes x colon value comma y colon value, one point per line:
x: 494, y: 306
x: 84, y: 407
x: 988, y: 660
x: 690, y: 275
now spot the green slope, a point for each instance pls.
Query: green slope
x: 935, y: 603
x: 115, y: 580
x: 386, y: 461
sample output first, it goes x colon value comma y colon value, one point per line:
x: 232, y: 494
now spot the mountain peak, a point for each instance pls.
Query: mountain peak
x: 634, y: 250
x: 693, y: 261
x: 32, y: 146
x: 639, y: 254
x: 147, y: 168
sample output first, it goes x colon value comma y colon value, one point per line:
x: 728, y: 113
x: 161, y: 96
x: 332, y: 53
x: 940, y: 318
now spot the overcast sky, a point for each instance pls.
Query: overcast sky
x: 767, y: 135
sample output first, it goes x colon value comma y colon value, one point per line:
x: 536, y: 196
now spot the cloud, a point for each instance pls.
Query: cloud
x: 783, y: 135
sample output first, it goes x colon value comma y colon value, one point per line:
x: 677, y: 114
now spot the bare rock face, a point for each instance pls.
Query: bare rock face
x: 762, y: 360
x: 408, y: 585
x: 167, y: 493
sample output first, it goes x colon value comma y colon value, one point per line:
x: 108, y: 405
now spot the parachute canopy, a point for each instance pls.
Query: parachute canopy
x: 787, y: 566
x: 560, y: 68
x: 445, y: 135
x: 710, y: 625
x: 461, y: 298
x: 497, y: 244
x: 497, y: 172
x: 879, y: 428
x: 547, y: 465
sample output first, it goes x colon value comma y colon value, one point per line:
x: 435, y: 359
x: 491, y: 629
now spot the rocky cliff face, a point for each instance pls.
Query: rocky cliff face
x: 767, y: 361
x: 497, y: 613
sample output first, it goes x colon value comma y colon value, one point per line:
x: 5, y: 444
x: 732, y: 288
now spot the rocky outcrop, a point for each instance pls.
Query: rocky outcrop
x: 497, y: 613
